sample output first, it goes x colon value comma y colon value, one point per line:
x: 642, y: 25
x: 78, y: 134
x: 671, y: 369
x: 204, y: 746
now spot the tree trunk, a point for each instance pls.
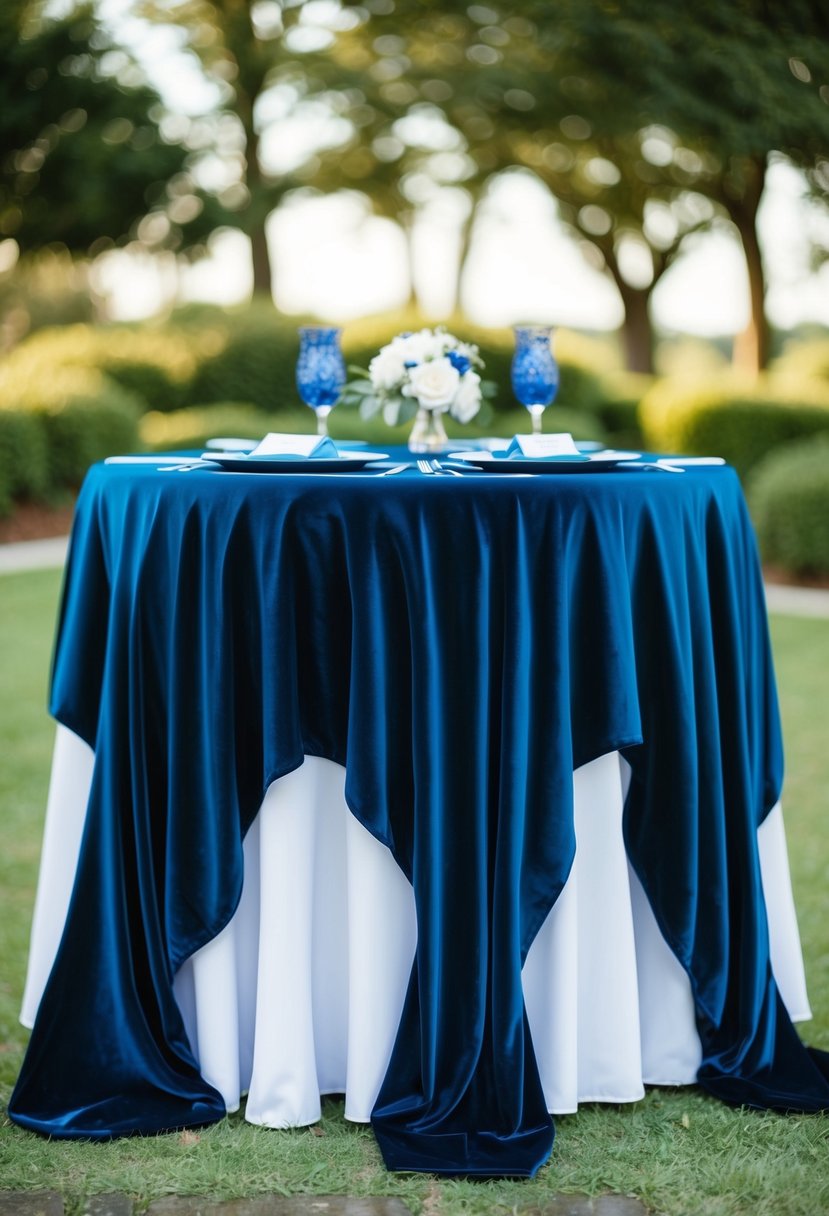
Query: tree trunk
x: 407, y: 223
x: 260, y: 254
x: 751, y: 347
x: 463, y: 253
x: 261, y: 259
x: 637, y: 331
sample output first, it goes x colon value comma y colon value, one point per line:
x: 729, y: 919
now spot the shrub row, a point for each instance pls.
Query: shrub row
x: 255, y: 362
x: 157, y: 364
x: 71, y: 395
x: 807, y: 359
x: 727, y: 419
x: 788, y: 494
x: 776, y: 435
x: 250, y: 356
x: 580, y: 359
x: 24, y: 461
x: 54, y: 425
x: 193, y: 427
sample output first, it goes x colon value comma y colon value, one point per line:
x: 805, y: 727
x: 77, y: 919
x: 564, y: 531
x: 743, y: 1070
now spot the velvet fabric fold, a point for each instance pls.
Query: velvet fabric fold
x: 460, y: 645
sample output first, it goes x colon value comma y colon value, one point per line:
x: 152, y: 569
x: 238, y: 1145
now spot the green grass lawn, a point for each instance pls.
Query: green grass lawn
x: 677, y: 1150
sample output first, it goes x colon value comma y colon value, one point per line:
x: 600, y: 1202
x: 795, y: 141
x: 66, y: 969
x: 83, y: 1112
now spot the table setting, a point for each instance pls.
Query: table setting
x: 459, y: 796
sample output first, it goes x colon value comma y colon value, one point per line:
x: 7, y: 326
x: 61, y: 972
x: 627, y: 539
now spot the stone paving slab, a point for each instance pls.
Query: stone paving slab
x: 33, y: 555
x: 49, y: 1203
x: 30, y: 1203
x: 279, y: 1205
x: 113, y: 1203
x: 797, y: 601
x: 582, y: 1205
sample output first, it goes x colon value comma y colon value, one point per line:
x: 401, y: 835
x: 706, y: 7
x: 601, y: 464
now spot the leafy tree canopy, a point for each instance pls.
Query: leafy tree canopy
x: 85, y: 160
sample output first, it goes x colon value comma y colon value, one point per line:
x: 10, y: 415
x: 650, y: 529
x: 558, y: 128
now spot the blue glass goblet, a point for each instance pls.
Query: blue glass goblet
x: 534, y: 370
x: 320, y: 371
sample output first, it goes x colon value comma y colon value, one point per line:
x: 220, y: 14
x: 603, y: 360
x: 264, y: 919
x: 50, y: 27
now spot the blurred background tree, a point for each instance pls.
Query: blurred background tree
x: 259, y: 56
x: 728, y: 86
x: 647, y: 123
x: 85, y: 160
x: 135, y: 133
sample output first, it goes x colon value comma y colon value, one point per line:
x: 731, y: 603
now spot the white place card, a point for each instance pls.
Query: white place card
x: 277, y: 443
x: 560, y: 444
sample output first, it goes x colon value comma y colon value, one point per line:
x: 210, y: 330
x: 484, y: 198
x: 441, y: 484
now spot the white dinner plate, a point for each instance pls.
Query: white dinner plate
x: 238, y: 462
x: 494, y: 462
x: 158, y: 461
x: 228, y: 444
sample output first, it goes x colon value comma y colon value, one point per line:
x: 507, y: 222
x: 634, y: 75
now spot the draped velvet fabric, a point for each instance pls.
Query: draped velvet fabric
x: 460, y: 645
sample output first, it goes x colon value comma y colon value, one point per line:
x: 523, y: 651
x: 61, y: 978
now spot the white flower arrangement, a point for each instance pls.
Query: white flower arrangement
x: 430, y: 369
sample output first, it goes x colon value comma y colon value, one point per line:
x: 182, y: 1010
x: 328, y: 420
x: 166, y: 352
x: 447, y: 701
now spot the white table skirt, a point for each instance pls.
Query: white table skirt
x: 301, y: 994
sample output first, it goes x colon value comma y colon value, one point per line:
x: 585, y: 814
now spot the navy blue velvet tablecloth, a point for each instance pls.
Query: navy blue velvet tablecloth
x: 460, y: 645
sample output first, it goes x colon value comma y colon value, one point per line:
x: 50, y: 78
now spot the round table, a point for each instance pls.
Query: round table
x: 453, y: 649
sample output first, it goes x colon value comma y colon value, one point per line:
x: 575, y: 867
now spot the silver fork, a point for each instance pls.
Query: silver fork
x: 661, y: 467
x: 185, y: 468
x: 435, y: 469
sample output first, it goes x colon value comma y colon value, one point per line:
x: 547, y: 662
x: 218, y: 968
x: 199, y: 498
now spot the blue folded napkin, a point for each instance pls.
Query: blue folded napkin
x: 543, y: 447
x: 293, y: 447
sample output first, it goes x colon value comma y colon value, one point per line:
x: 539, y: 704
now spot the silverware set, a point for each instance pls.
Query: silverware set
x: 186, y: 468
x: 660, y: 467
x: 428, y: 466
x: 434, y: 468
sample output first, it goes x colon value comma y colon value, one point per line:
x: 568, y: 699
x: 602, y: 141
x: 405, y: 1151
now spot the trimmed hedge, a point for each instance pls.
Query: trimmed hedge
x: 59, y: 420
x: 807, y: 359
x: 257, y: 359
x: 70, y: 396
x: 788, y: 494
x: 24, y: 458
x: 191, y: 428
x: 255, y: 363
x: 730, y: 420
x: 155, y: 364
x: 580, y: 386
x: 619, y: 411
x: 83, y: 429
x: 584, y: 364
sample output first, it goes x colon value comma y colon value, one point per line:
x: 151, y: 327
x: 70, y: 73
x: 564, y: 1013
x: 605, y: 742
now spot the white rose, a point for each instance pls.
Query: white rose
x: 433, y: 384
x: 468, y: 397
x: 387, y: 368
x: 420, y: 347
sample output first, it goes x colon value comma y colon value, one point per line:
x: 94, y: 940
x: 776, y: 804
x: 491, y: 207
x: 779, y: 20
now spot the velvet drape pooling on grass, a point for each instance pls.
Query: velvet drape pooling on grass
x: 460, y: 645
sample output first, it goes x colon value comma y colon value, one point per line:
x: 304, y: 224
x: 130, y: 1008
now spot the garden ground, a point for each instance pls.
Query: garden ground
x: 678, y: 1151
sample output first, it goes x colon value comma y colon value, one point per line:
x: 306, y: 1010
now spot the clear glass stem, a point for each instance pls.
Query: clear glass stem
x: 322, y: 413
x: 536, y: 414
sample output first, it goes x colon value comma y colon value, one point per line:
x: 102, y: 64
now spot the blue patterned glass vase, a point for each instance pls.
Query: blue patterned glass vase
x: 320, y: 371
x: 534, y: 370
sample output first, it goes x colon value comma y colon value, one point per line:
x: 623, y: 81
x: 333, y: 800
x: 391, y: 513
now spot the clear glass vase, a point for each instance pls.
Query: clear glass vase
x: 428, y: 433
